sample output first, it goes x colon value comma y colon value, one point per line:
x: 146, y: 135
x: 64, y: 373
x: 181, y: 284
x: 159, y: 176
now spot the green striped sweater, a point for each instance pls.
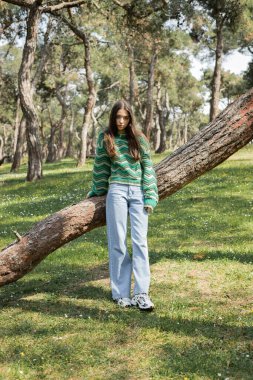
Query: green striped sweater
x: 124, y: 169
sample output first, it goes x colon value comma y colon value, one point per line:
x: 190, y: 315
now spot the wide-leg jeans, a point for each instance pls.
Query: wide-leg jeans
x: 123, y: 200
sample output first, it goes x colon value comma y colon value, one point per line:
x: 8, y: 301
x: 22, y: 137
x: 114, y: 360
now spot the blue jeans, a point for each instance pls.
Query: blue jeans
x: 122, y: 200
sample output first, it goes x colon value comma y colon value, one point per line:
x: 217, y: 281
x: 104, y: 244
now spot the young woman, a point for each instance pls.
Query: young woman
x: 123, y: 170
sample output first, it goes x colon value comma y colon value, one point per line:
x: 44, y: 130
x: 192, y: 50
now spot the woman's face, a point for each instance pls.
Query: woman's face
x: 122, y: 120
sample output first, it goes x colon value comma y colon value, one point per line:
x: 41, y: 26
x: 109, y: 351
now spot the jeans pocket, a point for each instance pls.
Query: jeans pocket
x: 116, y: 191
x: 138, y: 193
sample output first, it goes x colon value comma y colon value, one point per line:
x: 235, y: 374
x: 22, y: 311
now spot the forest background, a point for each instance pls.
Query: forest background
x: 63, y: 64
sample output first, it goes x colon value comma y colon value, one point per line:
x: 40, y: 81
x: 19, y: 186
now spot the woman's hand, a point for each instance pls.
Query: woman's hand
x: 149, y: 209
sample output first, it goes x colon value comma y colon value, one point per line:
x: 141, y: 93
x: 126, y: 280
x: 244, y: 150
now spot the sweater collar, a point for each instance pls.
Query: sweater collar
x: 122, y: 134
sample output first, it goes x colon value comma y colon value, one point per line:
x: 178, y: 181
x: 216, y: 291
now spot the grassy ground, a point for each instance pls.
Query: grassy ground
x: 58, y: 322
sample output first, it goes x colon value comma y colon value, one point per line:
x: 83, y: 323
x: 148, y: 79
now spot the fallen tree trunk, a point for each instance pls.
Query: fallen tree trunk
x: 212, y: 145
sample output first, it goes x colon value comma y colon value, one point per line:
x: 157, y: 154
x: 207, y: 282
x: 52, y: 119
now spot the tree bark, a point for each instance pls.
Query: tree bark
x: 56, y: 152
x: 51, y: 146
x: 64, y: 112
x: 17, y: 125
x: 216, y: 81
x: 93, y: 139
x: 211, y: 146
x: 185, y: 129
x: 171, y: 129
x: 26, y: 95
x: 133, y: 89
x: 45, y: 52
x: 70, y: 147
x: 19, y: 146
x: 178, y: 135
x: 91, y: 100
x: 8, y: 158
x: 87, y: 119
x: 157, y: 134
x: 162, y: 109
x: 50, y: 8
x: 1, y: 146
x: 149, y: 105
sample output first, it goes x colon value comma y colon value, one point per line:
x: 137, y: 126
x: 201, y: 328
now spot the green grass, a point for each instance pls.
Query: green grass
x: 58, y: 322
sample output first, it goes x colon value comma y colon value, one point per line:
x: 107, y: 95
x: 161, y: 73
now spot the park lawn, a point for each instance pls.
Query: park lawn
x: 59, y: 322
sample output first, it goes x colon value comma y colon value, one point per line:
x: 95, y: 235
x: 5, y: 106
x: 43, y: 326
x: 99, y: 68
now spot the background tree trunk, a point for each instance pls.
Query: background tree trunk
x: 87, y: 119
x: 52, y: 148
x: 1, y: 147
x: 93, y: 139
x: 157, y: 134
x: 17, y: 125
x: 57, y: 151
x: 211, y: 146
x: 216, y: 81
x: 185, y: 129
x: 70, y: 147
x: 61, y: 147
x: 171, y: 129
x: 162, y: 109
x: 26, y: 94
x: 132, y: 77
x: 149, y: 105
x: 19, y: 146
x: 90, y: 103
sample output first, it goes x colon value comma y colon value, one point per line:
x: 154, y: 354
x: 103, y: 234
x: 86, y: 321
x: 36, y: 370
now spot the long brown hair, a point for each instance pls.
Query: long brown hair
x: 132, y: 133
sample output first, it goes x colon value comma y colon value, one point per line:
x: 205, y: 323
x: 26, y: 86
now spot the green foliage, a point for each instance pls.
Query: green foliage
x: 245, y: 32
x: 229, y: 11
x: 248, y: 76
x: 176, y: 30
x: 232, y: 85
x: 10, y: 58
x: 12, y: 22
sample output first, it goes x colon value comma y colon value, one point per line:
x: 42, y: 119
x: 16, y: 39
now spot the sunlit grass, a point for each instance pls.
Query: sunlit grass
x: 58, y: 322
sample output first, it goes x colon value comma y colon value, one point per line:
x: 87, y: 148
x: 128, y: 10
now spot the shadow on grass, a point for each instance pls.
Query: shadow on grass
x: 192, y: 256
x: 64, y: 286
x: 55, y: 280
x: 58, y: 280
x: 73, y: 282
x: 200, y: 356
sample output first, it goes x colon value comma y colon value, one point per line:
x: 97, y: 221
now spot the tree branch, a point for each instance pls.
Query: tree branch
x: 64, y: 4
x: 132, y: 7
x: 125, y: 6
x: 21, y: 3
x: 250, y: 49
x: 79, y: 33
x: 46, y: 8
x: 109, y: 87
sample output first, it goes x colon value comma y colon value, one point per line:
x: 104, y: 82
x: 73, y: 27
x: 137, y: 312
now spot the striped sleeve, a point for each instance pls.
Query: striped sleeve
x: 149, y: 180
x: 101, y: 170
